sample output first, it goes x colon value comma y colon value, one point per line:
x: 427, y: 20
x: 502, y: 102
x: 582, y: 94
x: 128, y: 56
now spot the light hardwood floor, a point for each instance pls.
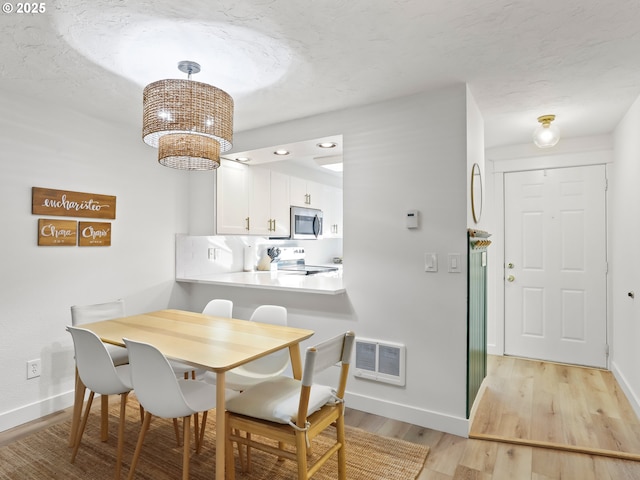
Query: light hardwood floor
x: 456, y: 458
x: 554, y: 405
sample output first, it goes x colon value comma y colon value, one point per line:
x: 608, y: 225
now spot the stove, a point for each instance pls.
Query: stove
x: 291, y: 260
x: 304, y: 269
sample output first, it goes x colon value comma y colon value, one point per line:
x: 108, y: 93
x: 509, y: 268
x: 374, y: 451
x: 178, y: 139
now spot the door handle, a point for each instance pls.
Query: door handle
x: 510, y: 265
x: 511, y: 278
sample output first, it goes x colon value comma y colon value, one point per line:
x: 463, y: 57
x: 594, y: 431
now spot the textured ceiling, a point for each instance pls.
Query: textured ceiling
x: 287, y: 59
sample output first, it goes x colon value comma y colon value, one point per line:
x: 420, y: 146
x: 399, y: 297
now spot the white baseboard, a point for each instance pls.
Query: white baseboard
x: 406, y: 413
x: 34, y: 411
x: 626, y: 388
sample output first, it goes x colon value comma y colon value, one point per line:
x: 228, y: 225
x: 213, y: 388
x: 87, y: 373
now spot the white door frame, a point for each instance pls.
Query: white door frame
x: 497, y: 168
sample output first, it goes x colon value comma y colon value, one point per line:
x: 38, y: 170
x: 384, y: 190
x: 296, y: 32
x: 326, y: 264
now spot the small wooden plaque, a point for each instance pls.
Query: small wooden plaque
x: 95, y: 234
x: 57, y: 232
x: 63, y: 203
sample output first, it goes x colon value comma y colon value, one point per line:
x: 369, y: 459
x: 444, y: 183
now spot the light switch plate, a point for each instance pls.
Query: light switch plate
x: 430, y: 262
x: 454, y: 263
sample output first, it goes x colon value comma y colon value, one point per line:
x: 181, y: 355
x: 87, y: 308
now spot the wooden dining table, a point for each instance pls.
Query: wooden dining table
x: 213, y: 343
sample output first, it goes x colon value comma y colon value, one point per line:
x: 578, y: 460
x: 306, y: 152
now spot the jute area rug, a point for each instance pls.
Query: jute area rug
x: 45, y: 454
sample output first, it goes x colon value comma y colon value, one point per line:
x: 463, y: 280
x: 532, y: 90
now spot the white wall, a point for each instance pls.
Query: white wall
x: 624, y: 224
x: 45, y: 145
x: 409, y: 153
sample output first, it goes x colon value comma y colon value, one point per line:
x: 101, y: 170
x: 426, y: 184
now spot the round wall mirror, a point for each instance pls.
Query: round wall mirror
x: 476, y: 192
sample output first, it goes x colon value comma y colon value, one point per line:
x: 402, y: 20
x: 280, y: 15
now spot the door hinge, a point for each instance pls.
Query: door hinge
x: 606, y: 184
x: 606, y: 349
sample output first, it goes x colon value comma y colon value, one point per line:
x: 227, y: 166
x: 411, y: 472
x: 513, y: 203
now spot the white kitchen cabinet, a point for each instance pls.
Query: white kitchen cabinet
x: 251, y: 201
x: 332, y: 212
x: 268, y: 203
x: 306, y: 193
x: 280, y: 204
x: 232, y: 198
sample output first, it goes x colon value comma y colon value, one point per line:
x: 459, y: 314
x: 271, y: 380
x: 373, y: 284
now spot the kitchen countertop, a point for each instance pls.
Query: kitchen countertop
x: 324, y: 283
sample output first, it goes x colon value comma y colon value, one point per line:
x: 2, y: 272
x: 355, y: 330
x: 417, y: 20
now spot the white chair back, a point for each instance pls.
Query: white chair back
x: 275, y: 363
x: 81, y: 314
x: 219, y: 307
x: 94, y: 313
x: 95, y: 365
x: 155, y: 383
x: 324, y: 355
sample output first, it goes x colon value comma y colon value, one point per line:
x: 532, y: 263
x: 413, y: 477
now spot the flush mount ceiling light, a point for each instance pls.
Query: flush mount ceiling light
x: 281, y: 151
x: 546, y: 135
x: 189, y: 122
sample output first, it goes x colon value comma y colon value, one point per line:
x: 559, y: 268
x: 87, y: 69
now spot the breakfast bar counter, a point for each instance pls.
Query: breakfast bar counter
x: 325, y: 283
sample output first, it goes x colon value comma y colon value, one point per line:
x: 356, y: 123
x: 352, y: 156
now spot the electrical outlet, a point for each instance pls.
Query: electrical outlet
x: 33, y: 368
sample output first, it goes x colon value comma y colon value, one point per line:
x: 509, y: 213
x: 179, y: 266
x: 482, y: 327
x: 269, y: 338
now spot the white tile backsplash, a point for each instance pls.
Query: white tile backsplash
x: 192, y: 252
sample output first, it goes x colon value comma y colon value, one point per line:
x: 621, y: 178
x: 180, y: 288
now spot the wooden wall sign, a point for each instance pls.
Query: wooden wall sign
x: 94, y: 234
x: 57, y: 232
x: 46, y: 201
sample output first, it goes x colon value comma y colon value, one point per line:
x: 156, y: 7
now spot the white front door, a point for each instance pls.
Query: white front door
x: 555, y: 265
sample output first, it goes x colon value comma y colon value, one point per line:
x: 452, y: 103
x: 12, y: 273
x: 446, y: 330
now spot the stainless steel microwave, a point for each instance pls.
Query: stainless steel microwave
x: 306, y: 223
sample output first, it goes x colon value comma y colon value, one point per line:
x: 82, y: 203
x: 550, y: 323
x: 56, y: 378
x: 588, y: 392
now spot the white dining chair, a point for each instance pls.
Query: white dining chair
x: 293, y: 412
x: 81, y: 314
x: 98, y: 373
x: 161, y: 394
x: 261, y: 369
x: 97, y: 312
x: 219, y: 307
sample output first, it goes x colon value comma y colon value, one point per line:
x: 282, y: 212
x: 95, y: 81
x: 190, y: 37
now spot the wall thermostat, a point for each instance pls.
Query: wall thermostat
x: 412, y: 219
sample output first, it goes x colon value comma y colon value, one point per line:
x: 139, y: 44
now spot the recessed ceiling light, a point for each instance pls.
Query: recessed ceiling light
x: 242, y: 159
x: 281, y: 152
x: 327, y: 145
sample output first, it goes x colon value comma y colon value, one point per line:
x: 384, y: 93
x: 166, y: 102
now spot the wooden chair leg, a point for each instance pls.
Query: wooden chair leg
x: 243, y: 466
x: 136, y: 454
x: 248, y: 453
x: 177, y: 430
x: 141, y: 414
x: 196, y: 429
x: 342, y: 454
x: 230, y: 467
x: 186, y: 435
x: 301, y: 453
x: 104, y: 415
x: 201, y: 439
x: 77, y: 409
x: 83, y: 424
x: 123, y: 408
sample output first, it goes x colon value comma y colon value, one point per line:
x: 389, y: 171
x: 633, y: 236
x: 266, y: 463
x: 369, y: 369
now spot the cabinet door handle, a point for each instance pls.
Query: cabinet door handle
x: 274, y: 224
x: 247, y: 220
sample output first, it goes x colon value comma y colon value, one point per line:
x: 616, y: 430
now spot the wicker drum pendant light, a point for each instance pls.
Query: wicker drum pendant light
x: 190, y: 122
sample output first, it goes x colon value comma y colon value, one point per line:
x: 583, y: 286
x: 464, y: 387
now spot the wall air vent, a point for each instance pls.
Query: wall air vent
x: 380, y: 361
